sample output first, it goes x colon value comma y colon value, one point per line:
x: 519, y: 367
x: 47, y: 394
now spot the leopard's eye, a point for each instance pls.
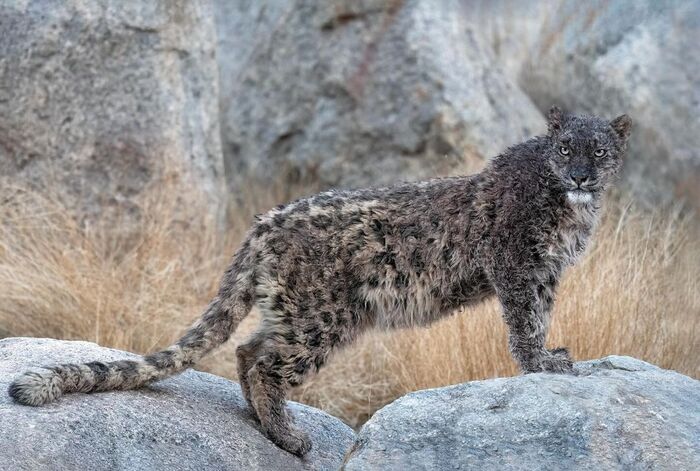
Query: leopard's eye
x: 600, y: 152
x: 563, y: 150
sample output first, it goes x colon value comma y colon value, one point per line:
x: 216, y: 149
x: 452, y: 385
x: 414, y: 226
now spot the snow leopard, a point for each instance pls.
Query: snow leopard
x: 326, y: 268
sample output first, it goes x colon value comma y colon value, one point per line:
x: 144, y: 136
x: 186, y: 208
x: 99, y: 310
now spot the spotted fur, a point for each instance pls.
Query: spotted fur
x: 326, y: 268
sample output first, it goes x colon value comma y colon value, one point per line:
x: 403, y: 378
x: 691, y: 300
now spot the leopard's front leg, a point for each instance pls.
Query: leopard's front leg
x: 527, y: 305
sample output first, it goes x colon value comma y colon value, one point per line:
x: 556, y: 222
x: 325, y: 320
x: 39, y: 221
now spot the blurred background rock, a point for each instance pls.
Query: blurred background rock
x: 97, y: 94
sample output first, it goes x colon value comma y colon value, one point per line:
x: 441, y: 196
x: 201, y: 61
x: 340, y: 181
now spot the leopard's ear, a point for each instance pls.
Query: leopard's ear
x: 622, y: 125
x: 554, y: 120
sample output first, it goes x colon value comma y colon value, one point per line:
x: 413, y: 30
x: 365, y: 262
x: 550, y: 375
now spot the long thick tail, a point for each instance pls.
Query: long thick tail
x: 214, y: 327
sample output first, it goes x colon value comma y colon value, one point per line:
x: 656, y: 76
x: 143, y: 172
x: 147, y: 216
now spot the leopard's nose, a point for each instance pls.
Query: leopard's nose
x: 579, y: 176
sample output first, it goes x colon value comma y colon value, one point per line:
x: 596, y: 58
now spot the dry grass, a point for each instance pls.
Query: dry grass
x: 115, y: 283
x: 137, y: 286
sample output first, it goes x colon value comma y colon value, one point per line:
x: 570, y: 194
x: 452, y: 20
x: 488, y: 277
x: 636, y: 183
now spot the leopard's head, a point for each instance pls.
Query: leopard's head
x: 586, y: 152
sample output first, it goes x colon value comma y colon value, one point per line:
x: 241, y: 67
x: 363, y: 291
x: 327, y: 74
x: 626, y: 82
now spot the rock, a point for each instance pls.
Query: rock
x: 360, y: 93
x: 633, y: 56
x: 97, y: 97
x: 193, y: 421
x: 619, y: 413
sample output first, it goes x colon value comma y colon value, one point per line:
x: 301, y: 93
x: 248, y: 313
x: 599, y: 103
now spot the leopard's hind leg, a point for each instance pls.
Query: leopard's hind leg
x: 282, y: 362
x: 246, y: 356
x: 267, y: 396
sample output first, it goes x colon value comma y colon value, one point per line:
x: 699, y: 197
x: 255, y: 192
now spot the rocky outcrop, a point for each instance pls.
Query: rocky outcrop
x: 194, y: 421
x: 618, y: 413
x: 633, y: 56
x: 96, y: 97
x: 357, y: 93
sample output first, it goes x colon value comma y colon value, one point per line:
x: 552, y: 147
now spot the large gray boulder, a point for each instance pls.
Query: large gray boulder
x: 618, y: 413
x: 357, y: 93
x: 195, y: 421
x: 96, y: 98
x: 634, y: 56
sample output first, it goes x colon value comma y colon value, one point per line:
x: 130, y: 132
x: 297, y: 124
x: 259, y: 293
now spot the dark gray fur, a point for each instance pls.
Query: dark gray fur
x: 325, y: 268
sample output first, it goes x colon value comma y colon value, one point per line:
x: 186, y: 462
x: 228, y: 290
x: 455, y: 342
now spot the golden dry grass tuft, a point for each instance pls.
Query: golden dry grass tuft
x: 137, y: 286
x: 114, y: 282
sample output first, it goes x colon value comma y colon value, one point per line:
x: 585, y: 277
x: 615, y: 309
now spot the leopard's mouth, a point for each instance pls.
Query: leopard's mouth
x: 579, y: 196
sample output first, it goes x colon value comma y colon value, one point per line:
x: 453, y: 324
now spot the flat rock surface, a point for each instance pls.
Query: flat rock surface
x: 618, y: 413
x: 193, y: 421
